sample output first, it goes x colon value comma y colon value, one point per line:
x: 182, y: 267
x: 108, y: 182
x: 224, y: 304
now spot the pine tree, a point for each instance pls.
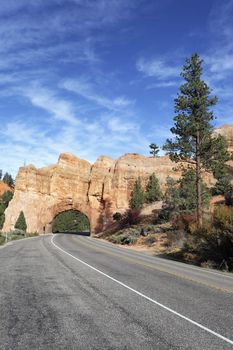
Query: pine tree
x: 219, y: 167
x: 0, y: 174
x: 6, y: 198
x: 194, y: 142
x: 21, y: 222
x: 153, y: 192
x: 154, y: 149
x: 8, y: 179
x: 137, y: 196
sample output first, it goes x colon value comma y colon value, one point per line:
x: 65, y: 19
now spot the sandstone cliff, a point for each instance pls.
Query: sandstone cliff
x: 227, y: 131
x: 97, y: 190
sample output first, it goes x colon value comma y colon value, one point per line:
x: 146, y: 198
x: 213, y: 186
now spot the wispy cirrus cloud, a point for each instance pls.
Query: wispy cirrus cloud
x: 49, y: 101
x: 157, y: 68
x: 44, y: 46
x: 87, y: 91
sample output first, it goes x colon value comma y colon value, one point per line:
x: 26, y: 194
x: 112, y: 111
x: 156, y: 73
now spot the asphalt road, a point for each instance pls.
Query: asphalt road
x: 73, y: 292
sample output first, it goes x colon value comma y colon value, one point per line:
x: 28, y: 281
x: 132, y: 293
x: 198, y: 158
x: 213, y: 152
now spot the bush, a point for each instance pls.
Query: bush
x: 149, y: 241
x: 18, y: 232
x: 33, y: 234
x: 184, y: 221
x: 163, y: 216
x: 229, y: 196
x: 128, y: 237
x: 214, y: 242
x: 131, y: 217
x: 223, y: 218
x: 2, y: 220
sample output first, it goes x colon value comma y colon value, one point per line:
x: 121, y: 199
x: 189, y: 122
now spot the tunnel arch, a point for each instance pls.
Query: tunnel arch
x: 71, y: 221
x: 66, y: 205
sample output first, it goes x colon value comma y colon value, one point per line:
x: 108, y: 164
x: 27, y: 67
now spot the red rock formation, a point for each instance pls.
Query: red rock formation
x: 97, y: 190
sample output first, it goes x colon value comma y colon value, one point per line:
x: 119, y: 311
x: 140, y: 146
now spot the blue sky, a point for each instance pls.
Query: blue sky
x: 97, y: 77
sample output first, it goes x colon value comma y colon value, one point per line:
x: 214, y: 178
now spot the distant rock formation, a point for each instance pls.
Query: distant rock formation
x: 97, y: 190
x: 227, y: 131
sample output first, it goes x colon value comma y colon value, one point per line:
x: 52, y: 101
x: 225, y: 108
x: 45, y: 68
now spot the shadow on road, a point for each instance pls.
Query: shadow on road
x: 74, y: 233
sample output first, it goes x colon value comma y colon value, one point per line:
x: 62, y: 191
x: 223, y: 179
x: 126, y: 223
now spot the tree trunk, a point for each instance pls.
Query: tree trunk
x: 198, y: 181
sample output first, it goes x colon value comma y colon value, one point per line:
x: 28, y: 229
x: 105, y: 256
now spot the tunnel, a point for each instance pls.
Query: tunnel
x: 71, y: 222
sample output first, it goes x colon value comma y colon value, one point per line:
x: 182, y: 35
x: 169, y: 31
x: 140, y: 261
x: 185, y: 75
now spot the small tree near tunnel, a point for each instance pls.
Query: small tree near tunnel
x: 21, y: 222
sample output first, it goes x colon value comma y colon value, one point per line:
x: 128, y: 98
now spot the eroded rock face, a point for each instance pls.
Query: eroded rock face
x: 97, y: 190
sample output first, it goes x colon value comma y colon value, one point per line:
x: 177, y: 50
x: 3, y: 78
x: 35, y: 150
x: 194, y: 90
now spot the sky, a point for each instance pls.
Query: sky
x: 99, y: 77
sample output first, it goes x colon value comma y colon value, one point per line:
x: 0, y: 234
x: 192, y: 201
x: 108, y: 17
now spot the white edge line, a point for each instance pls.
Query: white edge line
x: 145, y: 297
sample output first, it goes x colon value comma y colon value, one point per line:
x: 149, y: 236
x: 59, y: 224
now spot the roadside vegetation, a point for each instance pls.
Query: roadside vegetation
x: 4, y: 202
x: 14, y: 235
x: 189, y: 226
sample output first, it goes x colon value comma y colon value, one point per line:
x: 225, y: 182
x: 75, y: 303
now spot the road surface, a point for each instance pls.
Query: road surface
x: 73, y: 292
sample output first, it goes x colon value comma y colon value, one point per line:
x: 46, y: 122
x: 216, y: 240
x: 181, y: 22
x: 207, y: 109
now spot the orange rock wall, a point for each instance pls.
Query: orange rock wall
x: 97, y: 190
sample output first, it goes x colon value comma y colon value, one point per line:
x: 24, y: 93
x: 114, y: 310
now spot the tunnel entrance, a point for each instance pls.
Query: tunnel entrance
x: 71, y: 221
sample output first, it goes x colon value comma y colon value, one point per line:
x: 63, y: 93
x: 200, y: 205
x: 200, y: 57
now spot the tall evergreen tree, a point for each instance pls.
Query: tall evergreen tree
x: 193, y: 141
x: 8, y: 179
x: 218, y: 165
x: 137, y: 196
x: 21, y: 222
x: 154, y: 149
x: 153, y: 192
x: 0, y: 174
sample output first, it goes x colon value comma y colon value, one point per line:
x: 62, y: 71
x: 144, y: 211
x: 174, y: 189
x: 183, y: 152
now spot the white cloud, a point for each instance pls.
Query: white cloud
x: 86, y: 90
x: 45, y: 99
x: 117, y: 125
x: 163, y: 84
x: 157, y: 68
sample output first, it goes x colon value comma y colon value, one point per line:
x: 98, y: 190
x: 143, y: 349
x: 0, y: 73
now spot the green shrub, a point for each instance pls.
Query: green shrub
x: 163, y: 216
x: 229, y: 196
x: 17, y: 232
x: 2, y: 220
x: 129, y: 236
